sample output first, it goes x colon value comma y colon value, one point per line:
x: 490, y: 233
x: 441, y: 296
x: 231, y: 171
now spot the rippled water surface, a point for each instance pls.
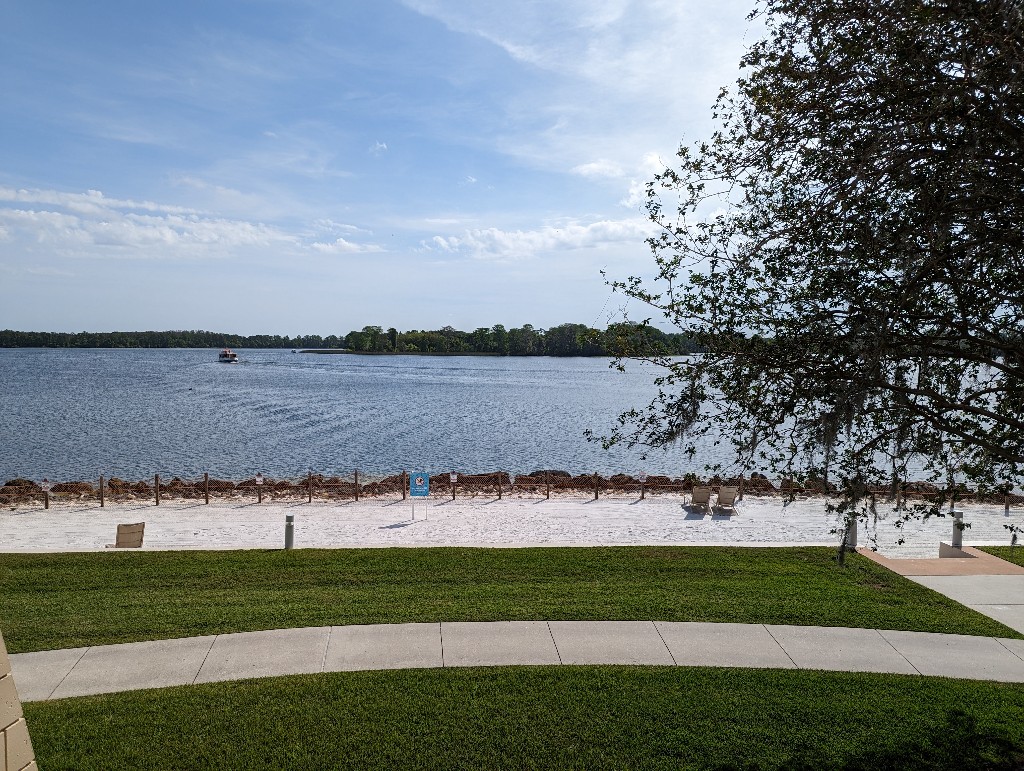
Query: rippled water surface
x: 131, y: 413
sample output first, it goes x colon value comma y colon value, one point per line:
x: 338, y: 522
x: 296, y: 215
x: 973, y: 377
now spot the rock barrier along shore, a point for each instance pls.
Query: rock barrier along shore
x: 543, y: 483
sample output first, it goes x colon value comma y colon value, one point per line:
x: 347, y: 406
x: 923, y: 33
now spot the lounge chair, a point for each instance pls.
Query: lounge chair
x: 129, y: 536
x: 727, y: 498
x: 701, y: 496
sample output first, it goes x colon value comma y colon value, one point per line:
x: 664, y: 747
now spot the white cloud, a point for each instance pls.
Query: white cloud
x: 92, y: 225
x: 341, y: 246
x: 89, y: 201
x: 649, y: 165
x: 636, y: 196
x: 378, y: 147
x: 327, y: 225
x: 497, y: 244
x: 599, y: 168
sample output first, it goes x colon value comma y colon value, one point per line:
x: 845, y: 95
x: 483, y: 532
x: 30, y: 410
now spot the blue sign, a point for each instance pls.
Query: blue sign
x: 419, y: 485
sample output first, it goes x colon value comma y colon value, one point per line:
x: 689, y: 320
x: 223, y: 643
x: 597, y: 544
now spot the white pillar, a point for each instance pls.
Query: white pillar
x: 958, y: 532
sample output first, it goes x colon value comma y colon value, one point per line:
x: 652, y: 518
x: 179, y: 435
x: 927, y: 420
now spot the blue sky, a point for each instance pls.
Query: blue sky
x: 255, y: 166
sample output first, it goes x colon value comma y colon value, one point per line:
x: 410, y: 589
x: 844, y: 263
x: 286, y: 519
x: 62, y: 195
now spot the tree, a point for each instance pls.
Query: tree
x: 563, y: 340
x: 847, y: 249
x: 499, y: 338
x: 524, y: 341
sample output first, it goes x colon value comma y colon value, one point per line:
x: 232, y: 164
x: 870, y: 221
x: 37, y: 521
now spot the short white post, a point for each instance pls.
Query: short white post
x: 850, y: 544
x: 958, y: 529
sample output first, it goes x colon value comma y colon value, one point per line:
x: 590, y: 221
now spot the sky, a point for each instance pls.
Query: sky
x: 312, y: 167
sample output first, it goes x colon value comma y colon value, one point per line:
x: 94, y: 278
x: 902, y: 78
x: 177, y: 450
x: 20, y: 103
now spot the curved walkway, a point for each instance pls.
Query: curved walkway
x: 156, y: 664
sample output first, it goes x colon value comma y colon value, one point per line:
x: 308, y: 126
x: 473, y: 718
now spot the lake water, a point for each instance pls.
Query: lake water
x: 76, y: 414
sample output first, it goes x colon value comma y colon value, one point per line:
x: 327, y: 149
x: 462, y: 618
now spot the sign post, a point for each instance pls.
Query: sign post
x: 419, y: 487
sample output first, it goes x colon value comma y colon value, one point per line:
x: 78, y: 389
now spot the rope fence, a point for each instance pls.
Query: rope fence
x: 498, y: 484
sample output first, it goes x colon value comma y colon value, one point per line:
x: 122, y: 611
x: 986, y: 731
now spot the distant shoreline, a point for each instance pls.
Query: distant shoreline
x: 568, y: 339
x: 442, y: 353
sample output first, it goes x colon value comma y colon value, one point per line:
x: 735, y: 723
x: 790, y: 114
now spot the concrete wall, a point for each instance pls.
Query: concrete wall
x: 15, y: 745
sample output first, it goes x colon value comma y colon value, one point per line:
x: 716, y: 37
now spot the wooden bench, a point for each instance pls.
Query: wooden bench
x: 129, y: 536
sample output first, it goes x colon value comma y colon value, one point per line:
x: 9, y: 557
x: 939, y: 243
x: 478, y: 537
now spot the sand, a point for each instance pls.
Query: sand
x: 759, y: 521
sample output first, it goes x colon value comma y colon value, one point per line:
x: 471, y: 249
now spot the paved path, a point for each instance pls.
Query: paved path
x: 982, y: 582
x: 107, y: 669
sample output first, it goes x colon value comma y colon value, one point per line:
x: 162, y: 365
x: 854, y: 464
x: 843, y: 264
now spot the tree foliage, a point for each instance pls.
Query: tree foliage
x: 847, y: 248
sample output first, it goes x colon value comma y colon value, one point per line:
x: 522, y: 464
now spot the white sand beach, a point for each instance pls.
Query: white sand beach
x: 758, y: 521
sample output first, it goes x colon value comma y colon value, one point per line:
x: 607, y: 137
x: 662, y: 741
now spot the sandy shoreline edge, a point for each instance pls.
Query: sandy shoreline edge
x: 481, y: 521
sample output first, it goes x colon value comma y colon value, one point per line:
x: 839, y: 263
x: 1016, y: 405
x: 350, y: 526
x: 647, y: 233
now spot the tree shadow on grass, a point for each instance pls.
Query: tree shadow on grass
x: 958, y: 744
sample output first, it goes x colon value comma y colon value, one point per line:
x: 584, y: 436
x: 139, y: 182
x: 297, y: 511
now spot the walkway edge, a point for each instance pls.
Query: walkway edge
x: 45, y: 675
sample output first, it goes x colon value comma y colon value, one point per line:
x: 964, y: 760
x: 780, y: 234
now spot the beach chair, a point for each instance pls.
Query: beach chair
x: 727, y: 498
x: 129, y: 536
x: 701, y: 496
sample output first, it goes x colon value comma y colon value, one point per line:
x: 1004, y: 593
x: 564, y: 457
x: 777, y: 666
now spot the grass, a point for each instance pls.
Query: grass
x: 543, y: 717
x: 67, y: 600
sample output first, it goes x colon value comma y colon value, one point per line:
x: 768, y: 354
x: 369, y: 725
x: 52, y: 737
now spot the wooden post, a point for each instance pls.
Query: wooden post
x: 499, y: 485
x: 642, y: 484
x: 156, y: 487
x: 357, y: 484
x: 46, y: 498
x: 1006, y: 503
x: 101, y: 492
x: 741, y: 488
x: 547, y: 485
x: 595, y: 485
x: 405, y: 484
x: 309, y: 486
x: 206, y: 487
x: 455, y: 480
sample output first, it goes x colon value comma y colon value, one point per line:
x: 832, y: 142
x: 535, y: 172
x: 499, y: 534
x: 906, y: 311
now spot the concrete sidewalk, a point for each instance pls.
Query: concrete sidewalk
x: 981, y: 581
x: 106, y: 669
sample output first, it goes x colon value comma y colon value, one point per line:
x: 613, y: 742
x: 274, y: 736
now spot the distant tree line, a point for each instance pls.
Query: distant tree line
x: 561, y: 340
x: 189, y: 338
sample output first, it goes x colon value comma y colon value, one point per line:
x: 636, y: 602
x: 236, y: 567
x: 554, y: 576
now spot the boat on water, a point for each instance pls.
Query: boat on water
x: 227, y: 356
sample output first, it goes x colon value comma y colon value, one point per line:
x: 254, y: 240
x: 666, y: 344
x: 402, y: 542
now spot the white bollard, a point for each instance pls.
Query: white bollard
x: 958, y: 529
x: 850, y: 544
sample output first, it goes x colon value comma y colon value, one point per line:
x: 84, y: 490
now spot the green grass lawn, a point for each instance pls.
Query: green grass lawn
x: 543, y: 717
x: 52, y: 601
